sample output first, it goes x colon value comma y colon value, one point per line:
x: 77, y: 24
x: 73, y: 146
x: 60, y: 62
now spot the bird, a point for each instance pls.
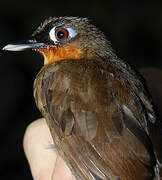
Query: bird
x: 98, y: 108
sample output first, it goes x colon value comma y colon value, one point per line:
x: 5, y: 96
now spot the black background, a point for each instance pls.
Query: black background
x: 134, y: 28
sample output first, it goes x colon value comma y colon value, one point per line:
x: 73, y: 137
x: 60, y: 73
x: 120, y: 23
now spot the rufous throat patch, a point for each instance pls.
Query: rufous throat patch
x: 57, y: 53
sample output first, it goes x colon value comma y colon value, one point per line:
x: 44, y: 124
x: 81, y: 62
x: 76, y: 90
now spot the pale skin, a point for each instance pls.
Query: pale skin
x: 44, y: 161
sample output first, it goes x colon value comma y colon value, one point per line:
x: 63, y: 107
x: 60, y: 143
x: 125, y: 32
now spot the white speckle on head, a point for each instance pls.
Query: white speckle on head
x: 111, y: 74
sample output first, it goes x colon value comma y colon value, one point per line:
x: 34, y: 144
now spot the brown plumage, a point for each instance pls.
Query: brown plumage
x: 98, y: 110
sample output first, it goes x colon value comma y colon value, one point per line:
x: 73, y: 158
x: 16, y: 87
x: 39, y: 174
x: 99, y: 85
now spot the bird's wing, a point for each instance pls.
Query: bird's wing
x: 98, y: 123
x: 142, y: 108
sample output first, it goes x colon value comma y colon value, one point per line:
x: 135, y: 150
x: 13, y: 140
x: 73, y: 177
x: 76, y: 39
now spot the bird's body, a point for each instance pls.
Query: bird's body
x: 98, y: 110
x: 86, y: 114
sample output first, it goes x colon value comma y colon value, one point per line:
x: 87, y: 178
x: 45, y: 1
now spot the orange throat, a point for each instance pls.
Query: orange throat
x: 57, y: 53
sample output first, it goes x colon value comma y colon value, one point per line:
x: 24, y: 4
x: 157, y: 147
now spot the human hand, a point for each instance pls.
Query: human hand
x: 44, y: 161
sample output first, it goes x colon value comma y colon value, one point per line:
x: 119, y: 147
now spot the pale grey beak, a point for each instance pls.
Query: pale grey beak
x: 22, y: 47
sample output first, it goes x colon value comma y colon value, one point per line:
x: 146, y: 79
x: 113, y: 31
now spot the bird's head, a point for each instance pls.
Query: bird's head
x: 66, y: 38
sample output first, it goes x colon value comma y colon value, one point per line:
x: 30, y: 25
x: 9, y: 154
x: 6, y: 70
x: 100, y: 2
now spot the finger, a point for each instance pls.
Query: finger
x: 41, y: 159
x: 61, y: 171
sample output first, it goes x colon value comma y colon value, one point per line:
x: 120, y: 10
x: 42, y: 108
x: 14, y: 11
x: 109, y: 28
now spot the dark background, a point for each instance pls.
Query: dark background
x: 134, y: 28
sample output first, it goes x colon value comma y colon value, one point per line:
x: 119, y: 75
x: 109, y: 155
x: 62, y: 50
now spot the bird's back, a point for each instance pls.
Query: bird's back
x: 93, y: 120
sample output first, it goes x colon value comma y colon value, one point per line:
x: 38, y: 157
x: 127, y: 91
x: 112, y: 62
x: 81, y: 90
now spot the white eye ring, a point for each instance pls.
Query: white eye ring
x: 72, y: 33
x: 52, y: 34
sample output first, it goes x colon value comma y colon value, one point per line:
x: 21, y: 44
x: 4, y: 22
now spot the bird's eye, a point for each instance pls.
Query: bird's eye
x: 61, y: 34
